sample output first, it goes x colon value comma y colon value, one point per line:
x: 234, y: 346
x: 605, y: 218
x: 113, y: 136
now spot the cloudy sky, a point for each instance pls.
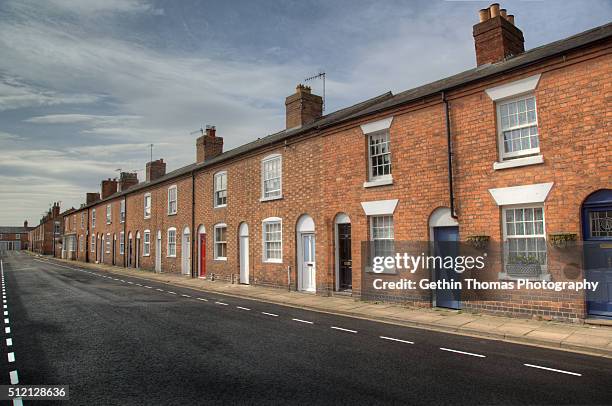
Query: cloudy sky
x: 87, y: 85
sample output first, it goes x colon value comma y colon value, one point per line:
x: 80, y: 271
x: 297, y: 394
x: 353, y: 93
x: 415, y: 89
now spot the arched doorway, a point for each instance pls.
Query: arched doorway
x: 186, y: 252
x: 444, y: 233
x: 344, y: 258
x: 158, y: 248
x: 130, y: 258
x: 306, y: 254
x: 102, y: 250
x: 243, y: 236
x: 597, y: 235
x: 202, y: 251
x: 137, y: 256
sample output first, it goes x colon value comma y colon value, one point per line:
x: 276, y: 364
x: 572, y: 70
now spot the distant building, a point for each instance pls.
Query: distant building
x: 14, y: 238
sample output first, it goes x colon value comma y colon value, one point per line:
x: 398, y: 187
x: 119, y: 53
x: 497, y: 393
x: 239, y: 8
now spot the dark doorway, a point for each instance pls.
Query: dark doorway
x: 345, y: 263
x: 597, y: 231
x: 446, y: 243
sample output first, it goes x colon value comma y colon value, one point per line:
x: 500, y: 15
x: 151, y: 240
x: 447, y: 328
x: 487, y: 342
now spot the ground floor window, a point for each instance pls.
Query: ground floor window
x: 93, y: 243
x: 121, y: 243
x: 382, y: 235
x: 146, y: 244
x: 221, y: 242
x: 172, y: 242
x: 524, y: 239
x: 273, y: 241
x: 108, y: 244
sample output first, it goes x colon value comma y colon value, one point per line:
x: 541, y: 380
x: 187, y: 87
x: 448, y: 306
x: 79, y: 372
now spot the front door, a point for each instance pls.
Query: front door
x: 345, y: 263
x: 137, y: 258
x: 244, y: 259
x: 597, y: 223
x: 158, y: 243
x: 186, y: 254
x: 130, y: 252
x: 202, y: 255
x: 446, y: 243
x: 307, y: 280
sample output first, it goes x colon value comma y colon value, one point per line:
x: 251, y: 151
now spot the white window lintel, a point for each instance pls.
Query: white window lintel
x: 379, y: 125
x: 525, y: 194
x: 379, y: 207
x: 513, y: 88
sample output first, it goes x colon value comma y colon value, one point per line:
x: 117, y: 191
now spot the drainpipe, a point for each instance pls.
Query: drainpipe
x: 450, y: 157
x: 194, y: 260
x: 125, y: 199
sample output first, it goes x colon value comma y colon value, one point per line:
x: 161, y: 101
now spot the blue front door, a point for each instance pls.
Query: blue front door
x: 446, y: 241
x: 597, y: 231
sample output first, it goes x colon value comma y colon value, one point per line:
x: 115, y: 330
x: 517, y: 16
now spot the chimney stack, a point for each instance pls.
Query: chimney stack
x: 108, y: 187
x: 155, y: 170
x: 496, y: 37
x: 302, y: 107
x: 55, y: 210
x: 208, y: 145
x: 127, y: 180
x: 92, y: 197
x: 25, y: 224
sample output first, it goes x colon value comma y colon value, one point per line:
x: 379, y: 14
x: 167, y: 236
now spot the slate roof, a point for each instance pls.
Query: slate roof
x: 14, y: 230
x: 388, y: 100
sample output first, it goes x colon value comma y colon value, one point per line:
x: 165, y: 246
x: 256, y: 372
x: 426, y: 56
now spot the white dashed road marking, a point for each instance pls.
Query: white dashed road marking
x: 396, y: 339
x: 6, y: 321
x: 185, y: 295
x: 553, y: 370
x: 221, y: 303
x: 7, y: 330
x: 303, y: 321
x: 9, y: 342
x: 243, y: 308
x: 344, y: 329
x: 14, y: 377
x: 270, y: 314
x: 202, y: 299
x: 11, y: 357
x: 158, y: 289
x: 172, y: 293
x: 463, y: 352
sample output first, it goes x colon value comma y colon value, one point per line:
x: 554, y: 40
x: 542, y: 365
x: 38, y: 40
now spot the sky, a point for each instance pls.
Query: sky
x: 87, y: 85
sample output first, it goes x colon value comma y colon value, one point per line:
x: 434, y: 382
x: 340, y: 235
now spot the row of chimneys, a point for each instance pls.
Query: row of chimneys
x: 495, y: 38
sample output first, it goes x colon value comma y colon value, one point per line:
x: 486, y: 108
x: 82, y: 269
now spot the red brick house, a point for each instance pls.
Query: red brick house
x: 15, y: 238
x: 514, y: 153
x: 45, y: 236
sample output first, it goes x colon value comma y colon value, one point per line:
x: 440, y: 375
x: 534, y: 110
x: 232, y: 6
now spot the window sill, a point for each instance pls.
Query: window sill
x: 146, y: 218
x: 220, y: 259
x: 273, y: 261
x: 221, y: 206
x: 267, y: 199
x: 170, y: 256
x: 378, y: 182
x: 172, y: 214
x: 146, y: 255
x: 503, y: 276
x: 513, y: 163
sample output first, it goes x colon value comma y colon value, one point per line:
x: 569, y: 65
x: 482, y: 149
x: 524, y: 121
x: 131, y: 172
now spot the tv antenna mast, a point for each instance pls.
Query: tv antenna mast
x: 151, y: 146
x: 201, y: 131
x: 320, y: 75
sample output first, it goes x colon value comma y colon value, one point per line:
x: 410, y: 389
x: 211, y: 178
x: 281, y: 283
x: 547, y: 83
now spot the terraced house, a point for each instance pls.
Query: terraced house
x: 515, y: 151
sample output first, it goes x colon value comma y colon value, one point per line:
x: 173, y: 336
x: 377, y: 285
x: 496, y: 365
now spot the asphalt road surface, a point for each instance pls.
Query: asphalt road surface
x: 126, y: 341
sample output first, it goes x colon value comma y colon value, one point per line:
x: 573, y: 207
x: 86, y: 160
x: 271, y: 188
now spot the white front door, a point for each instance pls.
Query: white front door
x: 244, y: 259
x: 308, y: 274
x: 158, y: 253
x: 186, y: 253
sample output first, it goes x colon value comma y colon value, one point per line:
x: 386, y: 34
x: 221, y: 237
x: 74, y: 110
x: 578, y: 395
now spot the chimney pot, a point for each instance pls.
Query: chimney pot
x: 503, y: 12
x: 494, y: 10
x: 208, y: 145
x: 483, y: 14
x: 127, y: 180
x: 302, y: 107
x: 108, y: 187
x: 510, y: 19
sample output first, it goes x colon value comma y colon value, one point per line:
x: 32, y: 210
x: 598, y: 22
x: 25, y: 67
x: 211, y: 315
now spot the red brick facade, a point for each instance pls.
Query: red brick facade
x: 325, y: 174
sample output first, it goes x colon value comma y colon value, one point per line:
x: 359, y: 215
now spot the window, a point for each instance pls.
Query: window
x: 108, y: 243
x: 93, y: 243
x: 379, y: 155
x: 600, y: 223
x: 273, y: 240
x: 93, y: 218
x: 82, y: 220
x: 271, y: 177
x: 121, y: 243
x: 518, y: 127
x: 122, y: 211
x: 81, y: 244
x: 147, y: 205
x: 172, y: 242
x: 382, y: 235
x: 17, y: 236
x: 109, y: 211
x: 172, y: 200
x: 524, y: 236
x: 56, y: 227
x: 146, y: 243
x: 74, y: 222
x: 220, y: 191
x: 221, y: 242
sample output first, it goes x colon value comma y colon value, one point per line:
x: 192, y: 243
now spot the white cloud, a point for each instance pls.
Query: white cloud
x: 92, y: 7
x: 4, y: 136
x: 15, y: 94
x: 91, y: 119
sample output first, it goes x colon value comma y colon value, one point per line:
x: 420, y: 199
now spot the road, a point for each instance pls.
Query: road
x: 117, y: 341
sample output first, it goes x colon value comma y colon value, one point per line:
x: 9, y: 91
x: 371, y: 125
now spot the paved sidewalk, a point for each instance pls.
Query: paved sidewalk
x: 584, y: 338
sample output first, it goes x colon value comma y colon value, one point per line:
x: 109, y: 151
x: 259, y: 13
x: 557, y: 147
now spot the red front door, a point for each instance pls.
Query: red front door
x: 202, y: 255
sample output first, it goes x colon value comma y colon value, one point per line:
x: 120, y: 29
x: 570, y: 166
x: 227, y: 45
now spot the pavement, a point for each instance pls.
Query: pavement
x: 583, y: 338
x: 119, y: 339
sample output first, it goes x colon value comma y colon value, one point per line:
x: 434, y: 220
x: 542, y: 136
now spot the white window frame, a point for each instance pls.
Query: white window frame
x: 81, y: 243
x: 146, y: 243
x: 505, y: 236
x: 265, y: 222
x: 217, y: 257
x: 218, y: 191
x: 175, y: 201
x: 108, y: 243
x: 371, y: 220
x: 278, y: 192
x: 121, y: 243
x: 507, y: 156
x: 122, y: 211
x: 82, y: 220
x: 93, y: 218
x: 109, y: 213
x: 147, y: 208
x: 170, y: 253
x: 379, y: 178
x: 93, y: 243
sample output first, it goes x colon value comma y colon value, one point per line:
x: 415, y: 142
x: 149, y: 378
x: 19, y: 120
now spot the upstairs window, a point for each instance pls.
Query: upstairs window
x: 379, y: 155
x: 172, y: 196
x: 220, y: 189
x: 271, y: 177
x: 93, y: 218
x: 122, y: 211
x: 147, y: 205
x: 221, y: 242
x: 518, y: 127
x: 82, y: 220
x: 109, y: 211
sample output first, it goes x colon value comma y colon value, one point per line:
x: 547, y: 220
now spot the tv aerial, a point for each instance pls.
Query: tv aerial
x: 320, y: 75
